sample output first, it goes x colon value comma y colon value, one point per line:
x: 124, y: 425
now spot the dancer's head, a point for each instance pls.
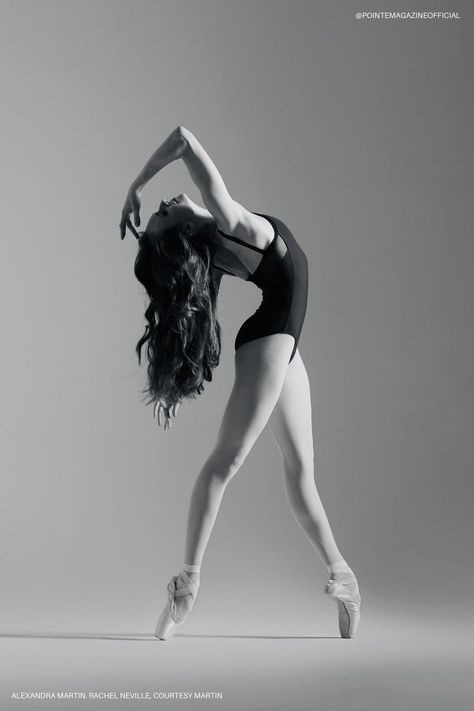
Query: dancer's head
x: 179, y: 212
x: 182, y: 334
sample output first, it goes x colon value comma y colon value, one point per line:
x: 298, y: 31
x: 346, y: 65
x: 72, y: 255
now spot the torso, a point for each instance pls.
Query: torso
x: 280, y: 270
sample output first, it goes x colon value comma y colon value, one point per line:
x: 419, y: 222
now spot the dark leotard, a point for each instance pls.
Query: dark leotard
x: 282, y: 275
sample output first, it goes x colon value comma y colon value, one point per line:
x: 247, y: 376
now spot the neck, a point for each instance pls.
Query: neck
x: 203, y: 219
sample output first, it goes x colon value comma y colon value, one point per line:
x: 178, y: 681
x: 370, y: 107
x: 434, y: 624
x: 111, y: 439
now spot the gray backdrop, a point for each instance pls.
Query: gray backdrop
x: 358, y: 135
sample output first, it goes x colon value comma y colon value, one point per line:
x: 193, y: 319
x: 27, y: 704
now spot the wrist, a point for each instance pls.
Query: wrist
x: 138, y: 184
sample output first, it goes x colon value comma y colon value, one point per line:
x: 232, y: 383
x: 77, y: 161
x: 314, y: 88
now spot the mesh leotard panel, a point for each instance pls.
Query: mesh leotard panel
x: 282, y: 276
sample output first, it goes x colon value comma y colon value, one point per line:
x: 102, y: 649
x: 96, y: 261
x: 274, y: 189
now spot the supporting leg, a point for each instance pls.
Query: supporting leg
x: 292, y: 429
x: 291, y: 426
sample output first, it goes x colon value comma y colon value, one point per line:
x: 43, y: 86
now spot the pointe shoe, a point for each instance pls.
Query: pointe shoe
x: 345, y: 592
x: 169, y: 618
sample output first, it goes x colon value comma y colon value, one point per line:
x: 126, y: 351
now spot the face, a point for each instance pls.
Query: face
x: 178, y: 211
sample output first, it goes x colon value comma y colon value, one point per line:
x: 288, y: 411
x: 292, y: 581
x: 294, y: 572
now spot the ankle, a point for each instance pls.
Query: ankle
x: 192, y: 571
x: 340, y: 567
x: 193, y: 576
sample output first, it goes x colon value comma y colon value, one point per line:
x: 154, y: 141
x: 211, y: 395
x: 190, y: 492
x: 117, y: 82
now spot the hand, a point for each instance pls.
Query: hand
x: 163, y: 413
x: 132, y: 204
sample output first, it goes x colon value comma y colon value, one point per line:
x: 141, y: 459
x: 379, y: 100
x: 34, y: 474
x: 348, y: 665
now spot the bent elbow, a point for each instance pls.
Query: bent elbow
x: 182, y: 132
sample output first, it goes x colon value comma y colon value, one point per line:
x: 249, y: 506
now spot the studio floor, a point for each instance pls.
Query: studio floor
x: 392, y: 665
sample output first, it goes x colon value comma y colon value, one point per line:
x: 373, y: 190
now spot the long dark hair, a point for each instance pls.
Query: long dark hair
x: 183, y: 335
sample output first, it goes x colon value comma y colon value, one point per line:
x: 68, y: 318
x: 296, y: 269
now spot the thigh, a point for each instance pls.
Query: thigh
x: 291, y: 421
x: 260, y: 368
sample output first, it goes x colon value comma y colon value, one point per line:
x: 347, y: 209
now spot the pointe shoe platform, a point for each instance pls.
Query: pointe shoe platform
x: 170, y: 617
x: 345, y: 591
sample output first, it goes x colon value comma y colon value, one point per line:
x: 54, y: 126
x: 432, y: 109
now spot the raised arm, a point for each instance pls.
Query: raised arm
x: 227, y: 212
x: 181, y: 143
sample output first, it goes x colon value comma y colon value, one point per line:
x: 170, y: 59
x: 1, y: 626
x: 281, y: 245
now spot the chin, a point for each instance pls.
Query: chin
x: 183, y: 198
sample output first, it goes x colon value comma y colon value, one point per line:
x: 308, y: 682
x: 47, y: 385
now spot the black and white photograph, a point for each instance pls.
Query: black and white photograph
x: 237, y: 367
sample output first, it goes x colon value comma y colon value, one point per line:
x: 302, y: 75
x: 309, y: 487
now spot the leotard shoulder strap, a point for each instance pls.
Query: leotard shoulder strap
x: 241, y: 241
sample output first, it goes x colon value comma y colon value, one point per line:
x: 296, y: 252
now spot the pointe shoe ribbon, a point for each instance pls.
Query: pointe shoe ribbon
x: 188, y: 588
x: 336, y: 588
x: 165, y: 627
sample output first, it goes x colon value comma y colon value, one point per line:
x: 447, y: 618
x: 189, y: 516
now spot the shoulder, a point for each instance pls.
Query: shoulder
x: 247, y: 226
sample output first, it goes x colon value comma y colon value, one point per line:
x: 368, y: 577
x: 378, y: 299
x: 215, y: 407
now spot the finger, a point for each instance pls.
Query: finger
x: 123, y: 222
x: 132, y: 228
x: 155, y: 408
x: 136, y: 215
x: 160, y: 415
x: 122, y: 228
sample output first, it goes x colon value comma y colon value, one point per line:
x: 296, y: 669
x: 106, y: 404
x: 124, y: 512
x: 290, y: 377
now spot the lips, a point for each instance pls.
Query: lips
x: 166, y: 203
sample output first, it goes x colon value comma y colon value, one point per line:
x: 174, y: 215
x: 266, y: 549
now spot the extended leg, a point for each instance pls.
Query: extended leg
x: 260, y: 368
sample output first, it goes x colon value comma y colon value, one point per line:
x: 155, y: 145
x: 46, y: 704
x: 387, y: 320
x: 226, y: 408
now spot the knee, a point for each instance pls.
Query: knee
x: 299, y: 468
x: 225, y: 462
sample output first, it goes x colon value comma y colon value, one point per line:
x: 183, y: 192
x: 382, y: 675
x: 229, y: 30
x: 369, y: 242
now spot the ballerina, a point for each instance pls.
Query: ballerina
x: 183, y: 253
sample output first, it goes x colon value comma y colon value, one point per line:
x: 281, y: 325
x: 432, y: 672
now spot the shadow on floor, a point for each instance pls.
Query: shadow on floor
x: 150, y: 637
